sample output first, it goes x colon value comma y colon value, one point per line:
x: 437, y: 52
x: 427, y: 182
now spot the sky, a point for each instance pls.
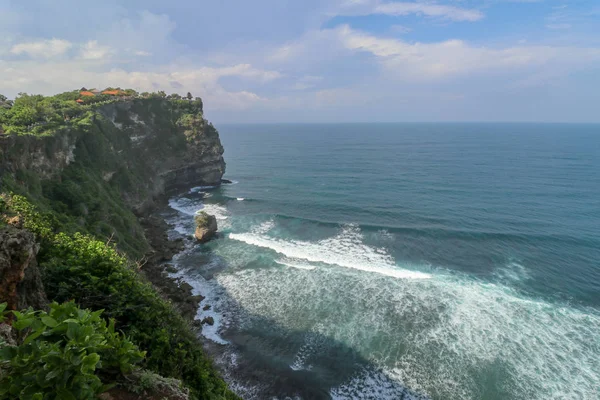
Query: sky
x: 318, y: 60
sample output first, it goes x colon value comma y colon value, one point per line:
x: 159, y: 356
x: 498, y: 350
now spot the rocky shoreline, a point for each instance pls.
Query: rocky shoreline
x: 156, y: 269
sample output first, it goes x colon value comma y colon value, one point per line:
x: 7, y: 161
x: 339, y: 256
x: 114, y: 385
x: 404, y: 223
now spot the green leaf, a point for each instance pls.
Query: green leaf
x: 72, y: 330
x: 89, y: 362
x: 65, y: 394
x: 52, y: 374
x: 23, y: 323
x: 8, y: 352
x: 2, y: 307
x: 49, y: 321
x: 31, y: 337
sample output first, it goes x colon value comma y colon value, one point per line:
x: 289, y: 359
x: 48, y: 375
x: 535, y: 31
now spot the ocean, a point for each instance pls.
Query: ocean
x: 402, y: 261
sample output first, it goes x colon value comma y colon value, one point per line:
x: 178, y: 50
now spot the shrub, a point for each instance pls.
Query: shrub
x: 63, y: 354
x: 97, y: 276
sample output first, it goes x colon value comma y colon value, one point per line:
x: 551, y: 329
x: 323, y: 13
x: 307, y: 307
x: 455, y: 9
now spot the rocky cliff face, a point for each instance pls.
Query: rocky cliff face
x: 141, y: 144
x: 100, y: 174
x: 20, y: 282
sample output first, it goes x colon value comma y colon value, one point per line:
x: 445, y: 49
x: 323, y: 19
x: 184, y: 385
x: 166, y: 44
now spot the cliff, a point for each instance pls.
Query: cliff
x: 72, y: 196
x: 102, y: 171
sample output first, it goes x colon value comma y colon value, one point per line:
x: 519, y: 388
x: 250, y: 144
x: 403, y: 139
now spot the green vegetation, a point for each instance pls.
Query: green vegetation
x: 89, y: 236
x: 80, y: 199
x: 202, y: 218
x: 46, y: 115
x: 38, y: 114
x: 98, y: 277
x: 64, y: 354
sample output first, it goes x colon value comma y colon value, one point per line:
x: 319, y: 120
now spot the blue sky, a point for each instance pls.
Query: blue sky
x: 318, y: 61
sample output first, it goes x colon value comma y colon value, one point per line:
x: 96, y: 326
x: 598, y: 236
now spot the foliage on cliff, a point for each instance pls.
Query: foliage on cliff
x: 77, y: 186
x: 63, y: 354
x: 91, y: 194
x: 45, y: 115
x: 98, y: 277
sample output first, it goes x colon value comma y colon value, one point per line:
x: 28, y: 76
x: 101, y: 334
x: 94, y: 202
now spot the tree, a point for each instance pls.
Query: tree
x: 5, y: 102
x: 189, y: 96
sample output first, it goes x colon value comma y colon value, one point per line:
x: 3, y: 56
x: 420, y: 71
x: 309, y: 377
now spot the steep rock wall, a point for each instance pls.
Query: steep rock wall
x: 139, y: 140
x: 98, y: 174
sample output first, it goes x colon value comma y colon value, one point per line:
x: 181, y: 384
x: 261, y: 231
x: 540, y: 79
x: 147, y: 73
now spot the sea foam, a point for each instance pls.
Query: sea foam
x: 345, y: 250
x: 442, y: 337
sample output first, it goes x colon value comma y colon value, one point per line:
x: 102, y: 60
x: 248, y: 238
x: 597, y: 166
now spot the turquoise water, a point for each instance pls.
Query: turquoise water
x: 443, y: 261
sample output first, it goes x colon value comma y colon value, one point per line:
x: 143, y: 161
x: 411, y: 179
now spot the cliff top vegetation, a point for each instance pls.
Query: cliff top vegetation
x: 35, y: 114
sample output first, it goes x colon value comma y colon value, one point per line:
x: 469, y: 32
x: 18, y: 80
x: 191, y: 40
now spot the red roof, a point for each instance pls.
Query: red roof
x: 112, y: 92
x: 88, y: 93
x: 79, y: 101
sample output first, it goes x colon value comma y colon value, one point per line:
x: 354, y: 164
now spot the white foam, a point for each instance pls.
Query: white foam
x: 185, y: 205
x: 346, y: 250
x: 264, y: 227
x: 217, y: 210
x: 240, y: 199
x: 200, y: 286
x: 201, y: 188
x: 295, y: 264
x: 192, y: 207
x: 375, y: 385
x: 431, y: 335
x: 513, y: 272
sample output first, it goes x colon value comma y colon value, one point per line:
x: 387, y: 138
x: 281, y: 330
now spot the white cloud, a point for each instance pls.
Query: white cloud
x: 430, y: 10
x: 307, y: 82
x: 42, y: 48
x: 455, y: 57
x: 142, y: 53
x: 94, y: 51
x: 54, y: 77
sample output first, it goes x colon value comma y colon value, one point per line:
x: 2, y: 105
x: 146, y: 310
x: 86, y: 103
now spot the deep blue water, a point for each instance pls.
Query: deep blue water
x: 453, y: 261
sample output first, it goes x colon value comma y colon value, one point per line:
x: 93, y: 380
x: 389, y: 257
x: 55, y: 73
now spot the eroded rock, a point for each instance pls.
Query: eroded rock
x: 206, y: 227
x: 20, y: 281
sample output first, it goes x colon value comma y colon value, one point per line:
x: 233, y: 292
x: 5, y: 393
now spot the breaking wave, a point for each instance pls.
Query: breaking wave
x: 345, y: 250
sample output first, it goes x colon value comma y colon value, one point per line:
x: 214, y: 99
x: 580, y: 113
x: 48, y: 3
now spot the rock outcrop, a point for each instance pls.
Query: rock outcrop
x: 206, y: 227
x: 135, y: 145
x: 20, y: 281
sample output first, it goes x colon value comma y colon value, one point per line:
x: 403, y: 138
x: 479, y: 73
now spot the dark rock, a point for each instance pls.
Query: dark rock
x: 20, y: 281
x: 198, y: 298
x: 206, y: 307
x: 186, y: 287
x: 227, y: 181
x: 208, y: 320
x: 170, y: 268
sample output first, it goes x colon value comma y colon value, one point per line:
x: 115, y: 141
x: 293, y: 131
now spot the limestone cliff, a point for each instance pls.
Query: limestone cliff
x: 20, y: 282
x: 141, y: 138
x: 98, y: 174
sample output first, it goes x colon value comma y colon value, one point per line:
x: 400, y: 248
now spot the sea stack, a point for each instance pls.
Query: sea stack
x: 206, y: 227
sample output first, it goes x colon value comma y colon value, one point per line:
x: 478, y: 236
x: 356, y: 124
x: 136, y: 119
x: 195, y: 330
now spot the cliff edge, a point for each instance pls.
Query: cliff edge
x: 112, y: 164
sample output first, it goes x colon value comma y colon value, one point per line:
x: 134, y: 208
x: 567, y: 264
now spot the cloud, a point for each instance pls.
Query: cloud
x: 42, y: 48
x: 53, y: 77
x: 94, y: 51
x: 307, y: 82
x: 400, y: 29
x: 431, y: 10
x: 558, y: 26
x: 448, y: 58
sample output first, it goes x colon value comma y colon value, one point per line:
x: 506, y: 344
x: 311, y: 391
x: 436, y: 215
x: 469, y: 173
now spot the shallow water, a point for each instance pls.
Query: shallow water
x: 443, y: 261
